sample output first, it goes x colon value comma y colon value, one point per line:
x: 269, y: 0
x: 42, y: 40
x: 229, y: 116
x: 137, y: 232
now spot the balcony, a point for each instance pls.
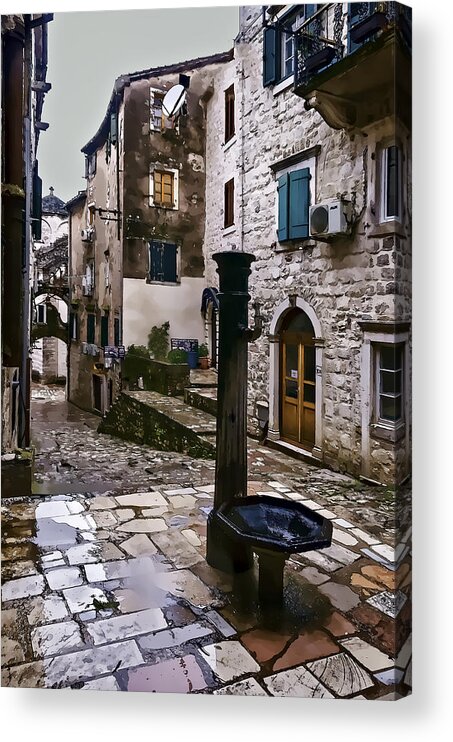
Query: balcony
x: 354, y: 67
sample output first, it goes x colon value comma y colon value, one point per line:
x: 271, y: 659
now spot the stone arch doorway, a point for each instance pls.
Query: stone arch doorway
x: 296, y: 345
x: 297, y: 380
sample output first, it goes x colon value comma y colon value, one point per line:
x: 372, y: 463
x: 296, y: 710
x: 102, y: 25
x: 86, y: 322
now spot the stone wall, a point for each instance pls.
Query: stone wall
x: 362, y: 276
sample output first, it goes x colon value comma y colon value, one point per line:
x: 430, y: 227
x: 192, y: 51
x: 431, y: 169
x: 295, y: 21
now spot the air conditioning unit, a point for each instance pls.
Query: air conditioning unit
x: 328, y: 219
x: 87, y: 235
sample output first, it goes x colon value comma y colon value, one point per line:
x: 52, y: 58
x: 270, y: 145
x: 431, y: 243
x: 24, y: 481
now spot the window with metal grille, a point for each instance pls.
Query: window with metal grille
x: 164, y: 194
x: 229, y: 204
x: 163, y: 261
x: 229, y: 113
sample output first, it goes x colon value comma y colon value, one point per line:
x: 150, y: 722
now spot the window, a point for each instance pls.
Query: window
x: 91, y: 328
x: 229, y: 113
x: 105, y: 330
x: 389, y: 406
x: 293, y: 194
x: 73, y: 326
x: 164, y: 188
x: 163, y: 262
x: 279, y: 46
x: 41, y: 314
x: 391, y: 191
x: 90, y: 165
x: 116, y: 331
x: 228, y: 220
x: 158, y: 121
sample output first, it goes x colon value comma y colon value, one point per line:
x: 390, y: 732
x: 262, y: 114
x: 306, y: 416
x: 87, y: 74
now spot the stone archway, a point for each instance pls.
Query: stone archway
x: 276, y: 325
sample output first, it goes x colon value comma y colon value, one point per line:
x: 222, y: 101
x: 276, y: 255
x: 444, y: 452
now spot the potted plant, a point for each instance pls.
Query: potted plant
x: 203, y: 356
x: 177, y: 356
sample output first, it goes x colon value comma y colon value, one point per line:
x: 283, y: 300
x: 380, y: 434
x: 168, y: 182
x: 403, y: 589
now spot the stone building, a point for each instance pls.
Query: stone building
x: 24, y: 70
x: 315, y: 124
x: 50, y: 277
x: 136, y: 234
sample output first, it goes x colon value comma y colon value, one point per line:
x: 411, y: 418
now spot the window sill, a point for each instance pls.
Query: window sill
x: 163, y: 283
x: 390, y: 434
x: 294, y: 245
x: 229, y: 230
x: 162, y: 206
x: 283, y: 85
x: 227, y: 145
x: 384, y: 229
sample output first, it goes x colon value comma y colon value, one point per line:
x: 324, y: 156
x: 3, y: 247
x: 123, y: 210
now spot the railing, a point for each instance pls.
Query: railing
x: 331, y: 34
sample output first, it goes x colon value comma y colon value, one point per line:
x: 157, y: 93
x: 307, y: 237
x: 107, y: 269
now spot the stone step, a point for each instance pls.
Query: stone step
x: 164, y: 423
x: 201, y: 378
x: 202, y: 399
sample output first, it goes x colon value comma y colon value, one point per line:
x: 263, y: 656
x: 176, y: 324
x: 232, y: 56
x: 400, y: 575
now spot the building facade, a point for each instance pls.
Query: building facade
x: 315, y: 123
x: 50, y: 281
x: 290, y: 147
x: 136, y: 234
x: 24, y: 69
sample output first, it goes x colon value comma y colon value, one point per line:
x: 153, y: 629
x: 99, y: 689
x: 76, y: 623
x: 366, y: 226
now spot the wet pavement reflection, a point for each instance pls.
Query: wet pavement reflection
x: 107, y: 587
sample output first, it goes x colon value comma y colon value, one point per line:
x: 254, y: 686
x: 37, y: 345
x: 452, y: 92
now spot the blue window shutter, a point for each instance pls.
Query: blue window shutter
x: 271, y: 55
x: 283, y: 194
x: 299, y: 202
x: 169, y: 263
x: 155, y: 260
x: 310, y: 10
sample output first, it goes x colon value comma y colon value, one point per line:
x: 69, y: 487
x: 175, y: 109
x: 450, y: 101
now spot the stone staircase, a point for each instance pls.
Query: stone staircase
x: 185, y: 425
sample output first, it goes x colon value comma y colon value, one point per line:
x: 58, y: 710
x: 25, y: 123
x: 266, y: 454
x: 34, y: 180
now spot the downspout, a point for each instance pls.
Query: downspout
x: 242, y: 78
x: 24, y: 372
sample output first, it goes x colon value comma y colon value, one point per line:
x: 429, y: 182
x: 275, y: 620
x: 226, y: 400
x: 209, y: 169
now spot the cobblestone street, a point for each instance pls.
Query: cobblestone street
x: 106, y: 584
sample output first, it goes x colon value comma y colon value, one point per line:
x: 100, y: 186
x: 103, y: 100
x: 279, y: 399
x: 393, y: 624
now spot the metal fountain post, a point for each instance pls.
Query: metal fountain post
x: 231, y: 441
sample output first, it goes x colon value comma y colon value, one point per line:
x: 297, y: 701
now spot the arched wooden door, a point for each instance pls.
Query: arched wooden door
x: 297, y: 380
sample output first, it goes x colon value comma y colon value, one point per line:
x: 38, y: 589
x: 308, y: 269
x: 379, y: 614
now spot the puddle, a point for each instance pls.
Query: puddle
x: 62, y: 487
x: 50, y: 533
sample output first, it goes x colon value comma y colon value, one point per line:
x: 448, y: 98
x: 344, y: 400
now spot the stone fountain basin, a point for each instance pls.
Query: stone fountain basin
x: 272, y: 524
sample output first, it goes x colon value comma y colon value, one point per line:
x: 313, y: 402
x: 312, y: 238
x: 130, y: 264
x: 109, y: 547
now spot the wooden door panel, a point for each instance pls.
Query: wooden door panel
x: 290, y: 422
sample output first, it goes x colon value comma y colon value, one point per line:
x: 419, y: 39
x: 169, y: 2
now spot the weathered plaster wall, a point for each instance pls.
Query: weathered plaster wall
x: 147, y: 304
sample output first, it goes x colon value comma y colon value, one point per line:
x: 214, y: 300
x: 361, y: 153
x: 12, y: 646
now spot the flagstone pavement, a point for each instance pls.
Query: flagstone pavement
x: 110, y: 590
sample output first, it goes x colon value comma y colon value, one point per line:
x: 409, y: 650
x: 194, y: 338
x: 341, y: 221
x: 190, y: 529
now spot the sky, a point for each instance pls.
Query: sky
x: 89, y: 50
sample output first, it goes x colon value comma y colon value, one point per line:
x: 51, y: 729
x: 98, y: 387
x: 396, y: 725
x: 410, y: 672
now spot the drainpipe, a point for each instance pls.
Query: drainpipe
x: 24, y: 372
x: 242, y: 79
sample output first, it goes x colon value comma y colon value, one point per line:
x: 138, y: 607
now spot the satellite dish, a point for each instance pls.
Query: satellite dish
x: 174, y: 101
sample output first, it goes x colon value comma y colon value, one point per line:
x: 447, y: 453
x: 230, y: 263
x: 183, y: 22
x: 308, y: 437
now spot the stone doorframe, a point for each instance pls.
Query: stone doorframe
x: 280, y: 313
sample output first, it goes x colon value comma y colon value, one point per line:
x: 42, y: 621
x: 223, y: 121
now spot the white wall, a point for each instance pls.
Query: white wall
x: 148, y: 304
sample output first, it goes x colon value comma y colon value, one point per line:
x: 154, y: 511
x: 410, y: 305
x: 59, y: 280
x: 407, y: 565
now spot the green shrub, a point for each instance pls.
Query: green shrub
x: 177, y: 356
x: 158, y: 340
x: 203, y: 351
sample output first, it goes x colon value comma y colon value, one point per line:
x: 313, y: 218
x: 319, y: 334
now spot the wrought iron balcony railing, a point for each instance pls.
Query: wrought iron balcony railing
x: 331, y: 34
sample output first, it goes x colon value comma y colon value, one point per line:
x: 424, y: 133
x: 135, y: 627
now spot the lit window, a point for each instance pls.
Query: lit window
x: 164, y: 189
x: 389, y: 383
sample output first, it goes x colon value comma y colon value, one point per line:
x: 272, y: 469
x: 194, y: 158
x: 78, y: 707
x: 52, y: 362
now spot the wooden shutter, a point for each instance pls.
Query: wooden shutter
x: 113, y: 128
x: 104, y: 330
x: 299, y: 202
x: 155, y: 261
x: 91, y: 326
x: 116, y: 331
x: 169, y: 263
x: 310, y: 9
x: 36, y: 204
x: 271, y: 55
x: 283, y: 194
